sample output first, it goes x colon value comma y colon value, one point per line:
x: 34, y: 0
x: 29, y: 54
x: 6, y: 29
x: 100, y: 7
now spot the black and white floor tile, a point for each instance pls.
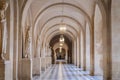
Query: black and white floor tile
x: 66, y: 72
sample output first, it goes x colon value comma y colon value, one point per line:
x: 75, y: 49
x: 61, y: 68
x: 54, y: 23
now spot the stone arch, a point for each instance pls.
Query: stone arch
x: 56, y: 25
x: 87, y: 18
x: 82, y: 11
x: 62, y: 16
x: 47, y: 38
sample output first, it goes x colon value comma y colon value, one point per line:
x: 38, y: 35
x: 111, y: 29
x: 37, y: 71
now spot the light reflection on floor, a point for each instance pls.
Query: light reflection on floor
x: 66, y: 72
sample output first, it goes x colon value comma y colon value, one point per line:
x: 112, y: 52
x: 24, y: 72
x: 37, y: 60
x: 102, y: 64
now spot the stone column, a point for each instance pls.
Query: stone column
x: 0, y: 40
x: 92, y: 50
x: 83, y: 47
x: 45, y: 57
x: 55, y: 57
x: 50, y: 52
x: 107, y: 42
x: 66, y: 55
x: 75, y: 53
x: 83, y: 36
x: 49, y: 56
x: 78, y: 52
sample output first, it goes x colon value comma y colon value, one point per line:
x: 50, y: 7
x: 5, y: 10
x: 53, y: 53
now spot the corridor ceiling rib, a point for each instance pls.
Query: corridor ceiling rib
x: 49, y: 6
x: 56, y: 32
x: 25, y: 8
x: 52, y: 30
x: 51, y: 14
x: 56, y: 4
x: 45, y: 27
x: 57, y: 26
x: 57, y: 45
x: 75, y: 3
x: 38, y: 17
x: 55, y: 17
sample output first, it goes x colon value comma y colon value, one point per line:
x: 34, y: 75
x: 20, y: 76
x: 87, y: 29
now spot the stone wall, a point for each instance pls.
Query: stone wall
x: 115, y: 39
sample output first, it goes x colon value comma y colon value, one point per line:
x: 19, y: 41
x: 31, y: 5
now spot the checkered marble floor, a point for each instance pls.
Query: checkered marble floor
x: 66, y: 72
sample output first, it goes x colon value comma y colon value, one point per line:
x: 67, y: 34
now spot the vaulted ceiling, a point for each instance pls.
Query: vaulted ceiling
x: 46, y: 17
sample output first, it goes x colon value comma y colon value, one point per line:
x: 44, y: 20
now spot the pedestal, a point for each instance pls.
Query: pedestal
x: 26, y: 69
x: 36, y: 67
x: 43, y: 65
x: 5, y: 70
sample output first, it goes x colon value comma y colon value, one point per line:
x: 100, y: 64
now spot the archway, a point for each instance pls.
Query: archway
x: 58, y: 48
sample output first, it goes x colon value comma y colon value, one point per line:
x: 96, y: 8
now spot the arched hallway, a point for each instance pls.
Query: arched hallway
x: 35, y: 35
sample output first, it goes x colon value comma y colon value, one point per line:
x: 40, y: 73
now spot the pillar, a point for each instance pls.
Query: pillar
x: 83, y: 45
x: 55, y: 57
x: 78, y: 52
x: 84, y: 53
x: 92, y: 51
x: 107, y: 57
x: 43, y: 60
x: 66, y: 55
x: 75, y: 53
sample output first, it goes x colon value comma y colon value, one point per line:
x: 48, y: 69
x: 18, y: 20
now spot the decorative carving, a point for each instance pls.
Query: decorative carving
x: 27, y: 43
x: 3, y: 8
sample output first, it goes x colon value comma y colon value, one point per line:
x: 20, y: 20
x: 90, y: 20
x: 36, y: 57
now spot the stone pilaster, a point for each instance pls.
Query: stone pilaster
x: 78, y: 52
x: 75, y: 53
x: 107, y: 42
x: 66, y: 55
x: 92, y: 51
x: 84, y: 49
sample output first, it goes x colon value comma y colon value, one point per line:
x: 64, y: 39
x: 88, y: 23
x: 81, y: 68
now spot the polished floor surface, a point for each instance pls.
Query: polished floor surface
x: 66, y: 72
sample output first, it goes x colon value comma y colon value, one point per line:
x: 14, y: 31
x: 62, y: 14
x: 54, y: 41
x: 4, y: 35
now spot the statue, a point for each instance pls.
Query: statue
x: 4, y: 41
x: 27, y: 43
x: 3, y: 8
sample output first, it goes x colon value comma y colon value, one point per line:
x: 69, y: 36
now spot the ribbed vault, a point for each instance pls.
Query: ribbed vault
x: 75, y: 14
